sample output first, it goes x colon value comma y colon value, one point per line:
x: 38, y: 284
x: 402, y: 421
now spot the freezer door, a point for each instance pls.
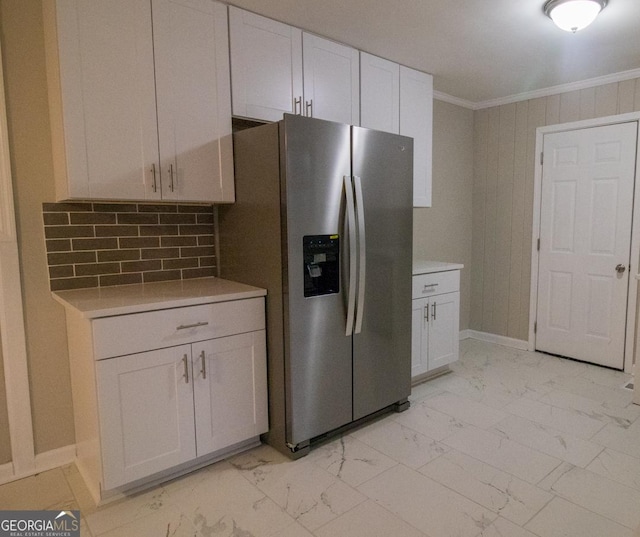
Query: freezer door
x: 383, y: 171
x: 315, y: 158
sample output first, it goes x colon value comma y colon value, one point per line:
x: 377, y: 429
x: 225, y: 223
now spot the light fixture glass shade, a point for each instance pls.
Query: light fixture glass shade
x: 573, y: 15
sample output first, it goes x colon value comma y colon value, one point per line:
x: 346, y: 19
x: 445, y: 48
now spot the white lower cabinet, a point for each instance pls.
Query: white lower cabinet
x: 435, y: 321
x: 163, y: 408
x: 229, y: 390
x: 176, y: 388
x: 146, y: 414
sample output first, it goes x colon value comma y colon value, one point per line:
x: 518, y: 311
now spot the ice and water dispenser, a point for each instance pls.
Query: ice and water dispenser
x: 321, y: 264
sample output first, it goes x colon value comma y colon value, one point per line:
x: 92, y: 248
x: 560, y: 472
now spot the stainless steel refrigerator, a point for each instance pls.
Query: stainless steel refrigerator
x: 323, y: 221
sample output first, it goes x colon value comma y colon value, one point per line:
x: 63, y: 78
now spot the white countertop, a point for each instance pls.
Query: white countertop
x: 124, y: 299
x: 427, y: 267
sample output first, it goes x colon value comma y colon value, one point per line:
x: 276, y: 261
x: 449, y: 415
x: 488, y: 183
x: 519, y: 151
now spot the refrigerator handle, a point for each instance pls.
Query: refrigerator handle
x: 362, y: 243
x: 351, y: 221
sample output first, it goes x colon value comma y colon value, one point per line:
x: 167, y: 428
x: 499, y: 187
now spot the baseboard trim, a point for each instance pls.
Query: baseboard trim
x: 43, y: 462
x: 55, y: 458
x: 494, y: 338
x: 6, y: 473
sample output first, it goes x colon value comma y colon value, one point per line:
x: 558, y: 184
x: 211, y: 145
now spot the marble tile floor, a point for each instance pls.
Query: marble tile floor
x: 510, y: 444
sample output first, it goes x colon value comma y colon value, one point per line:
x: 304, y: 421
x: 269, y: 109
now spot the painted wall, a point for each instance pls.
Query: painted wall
x: 443, y: 232
x: 31, y: 165
x: 504, y: 166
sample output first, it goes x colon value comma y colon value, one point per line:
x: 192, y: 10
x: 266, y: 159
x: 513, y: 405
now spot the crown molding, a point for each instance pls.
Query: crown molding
x: 562, y: 88
x: 535, y: 94
x: 445, y: 97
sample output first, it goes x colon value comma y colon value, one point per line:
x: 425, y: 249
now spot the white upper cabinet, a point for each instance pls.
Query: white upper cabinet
x: 102, y: 92
x: 266, y: 66
x: 379, y: 94
x: 397, y: 99
x: 270, y: 78
x: 194, y: 100
x: 416, y: 120
x: 107, y: 61
x: 331, y: 80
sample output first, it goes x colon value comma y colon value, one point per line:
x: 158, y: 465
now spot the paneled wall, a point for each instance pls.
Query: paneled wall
x: 504, y: 166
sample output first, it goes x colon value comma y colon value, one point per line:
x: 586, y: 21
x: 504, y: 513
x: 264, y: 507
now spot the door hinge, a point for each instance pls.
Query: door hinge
x: 535, y: 328
x: 541, y: 159
x: 538, y: 245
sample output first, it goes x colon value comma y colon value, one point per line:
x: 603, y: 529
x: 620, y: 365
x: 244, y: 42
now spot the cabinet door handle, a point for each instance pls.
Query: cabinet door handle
x: 185, y: 361
x: 204, y: 365
x: 309, y: 108
x: 171, y: 184
x: 154, y: 181
x: 426, y: 313
x: 297, y: 103
x: 435, y: 310
x: 194, y: 325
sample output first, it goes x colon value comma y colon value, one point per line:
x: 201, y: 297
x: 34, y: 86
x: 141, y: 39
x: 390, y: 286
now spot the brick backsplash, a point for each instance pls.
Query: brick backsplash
x: 103, y: 244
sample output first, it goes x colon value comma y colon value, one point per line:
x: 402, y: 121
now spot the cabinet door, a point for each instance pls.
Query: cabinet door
x: 230, y: 390
x: 266, y: 66
x: 379, y: 94
x: 416, y: 119
x: 331, y: 80
x: 419, y: 336
x: 444, y: 330
x: 101, y: 78
x: 194, y: 100
x: 146, y: 413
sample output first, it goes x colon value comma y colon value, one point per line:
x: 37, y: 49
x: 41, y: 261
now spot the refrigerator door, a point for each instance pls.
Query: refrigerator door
x: 315, y: 158
x: 383, y: 166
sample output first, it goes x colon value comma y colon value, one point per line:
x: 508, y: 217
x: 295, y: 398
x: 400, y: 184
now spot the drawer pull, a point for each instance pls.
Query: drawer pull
x: 429, y: 287
x: 194, y: 325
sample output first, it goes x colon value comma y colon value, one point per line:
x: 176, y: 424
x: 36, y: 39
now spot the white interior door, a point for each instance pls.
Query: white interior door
x: 585, y: 233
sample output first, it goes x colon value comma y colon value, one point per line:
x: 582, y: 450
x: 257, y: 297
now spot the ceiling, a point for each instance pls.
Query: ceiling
x: 477, y: 50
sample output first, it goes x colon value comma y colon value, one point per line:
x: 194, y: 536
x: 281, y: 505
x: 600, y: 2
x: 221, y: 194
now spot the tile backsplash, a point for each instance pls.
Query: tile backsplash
x: 102, y: 244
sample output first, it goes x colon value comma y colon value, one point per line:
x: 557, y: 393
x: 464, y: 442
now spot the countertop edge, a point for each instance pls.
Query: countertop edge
x: 429, y: 267
x: 92, y: 307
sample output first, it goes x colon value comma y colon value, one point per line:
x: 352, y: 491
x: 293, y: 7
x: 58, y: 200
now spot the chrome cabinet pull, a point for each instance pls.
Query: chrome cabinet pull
x: 154, y: 181
x: 426, y: 313
x: 171, y: 184
x: 297, y: 103
x: 309, y: 108
x: 194, y: 325
x: 429, y: 287
x: 434, y: 310
x: 204, y: 365
x: 620, y: 268
x: 185, y: 360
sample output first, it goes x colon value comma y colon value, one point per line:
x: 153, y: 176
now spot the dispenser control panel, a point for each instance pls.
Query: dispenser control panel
x: 321, y: 264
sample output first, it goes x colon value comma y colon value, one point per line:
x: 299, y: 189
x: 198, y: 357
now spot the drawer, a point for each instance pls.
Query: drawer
x: 138, y: 332
x: 435, y: 283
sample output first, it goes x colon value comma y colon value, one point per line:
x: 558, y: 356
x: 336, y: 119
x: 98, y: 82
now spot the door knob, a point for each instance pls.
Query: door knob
x: 620, y: 268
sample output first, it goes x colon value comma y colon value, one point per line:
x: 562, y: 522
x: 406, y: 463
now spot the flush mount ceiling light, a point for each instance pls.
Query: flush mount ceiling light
x: 573, y: 15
